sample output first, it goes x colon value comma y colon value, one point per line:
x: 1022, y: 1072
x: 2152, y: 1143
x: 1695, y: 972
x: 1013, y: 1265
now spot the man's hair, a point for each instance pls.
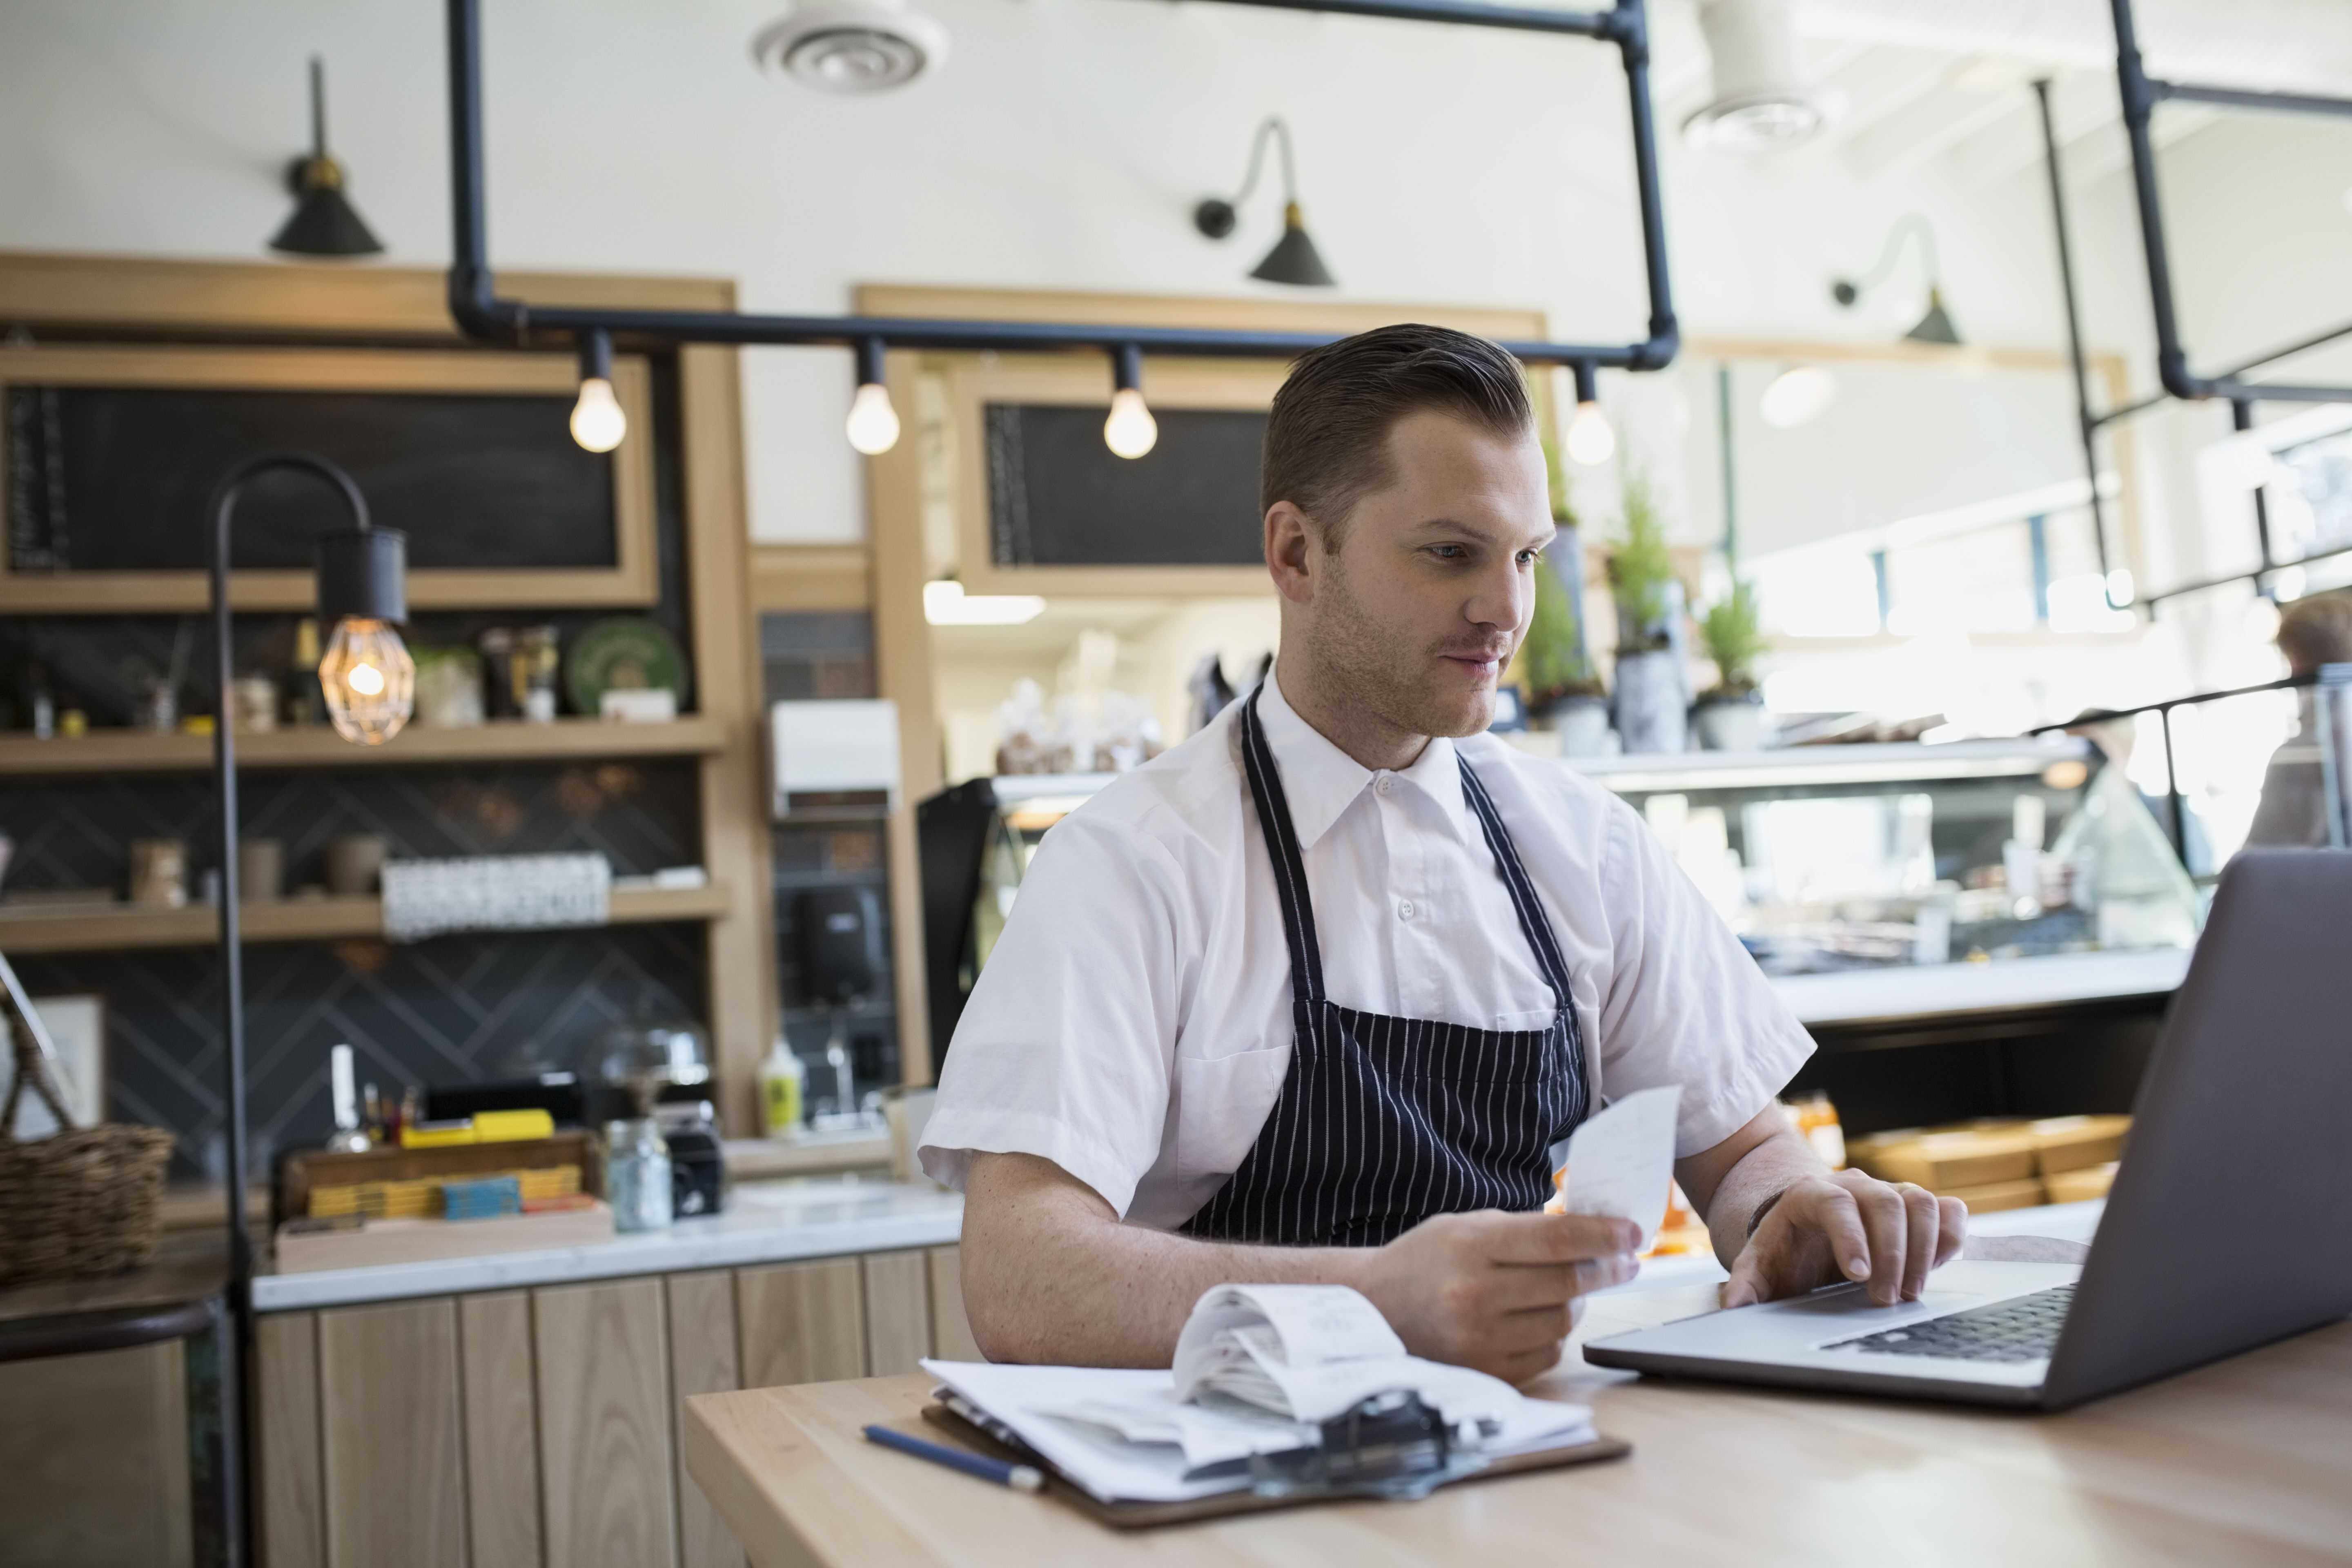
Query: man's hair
x: 2317, y: 630
x: 1327, y: 440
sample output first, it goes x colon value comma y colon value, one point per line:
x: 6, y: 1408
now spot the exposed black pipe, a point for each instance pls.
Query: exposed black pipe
x: 481, y: 313
x: 2101, y: 715
x: 2177, y: 589
x: 2086, y: 425
x: 2242, y: 418
x: 1605, y: 25
x: 2240, y: 97
x: 2140, y: 94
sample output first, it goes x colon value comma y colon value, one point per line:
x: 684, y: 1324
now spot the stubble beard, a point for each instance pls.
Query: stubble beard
x: 1355, y: 654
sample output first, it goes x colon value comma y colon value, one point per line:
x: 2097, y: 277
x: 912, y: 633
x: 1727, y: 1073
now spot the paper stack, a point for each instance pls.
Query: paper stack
x: 1258, y: 1368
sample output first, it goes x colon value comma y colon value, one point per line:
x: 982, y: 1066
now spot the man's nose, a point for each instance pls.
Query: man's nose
x: 1500, y: 597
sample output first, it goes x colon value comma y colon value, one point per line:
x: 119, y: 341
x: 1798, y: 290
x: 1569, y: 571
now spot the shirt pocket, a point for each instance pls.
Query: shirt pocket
x: 1222, y: 1104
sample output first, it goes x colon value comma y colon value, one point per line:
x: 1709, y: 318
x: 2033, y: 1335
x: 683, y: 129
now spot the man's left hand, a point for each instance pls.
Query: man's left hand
x: 1845, y: 1225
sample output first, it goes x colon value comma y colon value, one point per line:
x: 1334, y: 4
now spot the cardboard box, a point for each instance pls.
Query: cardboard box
x: 2079, y: 1186
x: 364, y: 1244
x: 1994, y: 1197
x: 1944, y: 1160
x: 2077, y: 1142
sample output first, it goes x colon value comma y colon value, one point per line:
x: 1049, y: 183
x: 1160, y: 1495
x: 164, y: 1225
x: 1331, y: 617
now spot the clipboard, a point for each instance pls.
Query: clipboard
x: 1142, y: 1515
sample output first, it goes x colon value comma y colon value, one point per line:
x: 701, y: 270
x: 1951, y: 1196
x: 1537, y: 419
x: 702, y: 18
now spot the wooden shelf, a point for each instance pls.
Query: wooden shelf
x: 118, y: 927
x: 137, y: 750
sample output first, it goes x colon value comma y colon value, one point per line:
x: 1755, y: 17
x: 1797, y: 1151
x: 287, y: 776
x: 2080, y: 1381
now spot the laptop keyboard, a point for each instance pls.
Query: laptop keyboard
x: 2025, y: 1329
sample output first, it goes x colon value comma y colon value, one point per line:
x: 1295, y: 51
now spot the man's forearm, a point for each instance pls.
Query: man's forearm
x: 1055, y: 1278
x: 1749, y: 1187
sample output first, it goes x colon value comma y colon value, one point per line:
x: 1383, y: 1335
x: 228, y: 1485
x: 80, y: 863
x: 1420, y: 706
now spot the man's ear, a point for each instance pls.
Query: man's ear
x: 1291, y: 546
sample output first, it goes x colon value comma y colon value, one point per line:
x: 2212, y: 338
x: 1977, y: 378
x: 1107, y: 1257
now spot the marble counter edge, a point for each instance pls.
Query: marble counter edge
x: 1902, y: 992
x: 730, y: 1240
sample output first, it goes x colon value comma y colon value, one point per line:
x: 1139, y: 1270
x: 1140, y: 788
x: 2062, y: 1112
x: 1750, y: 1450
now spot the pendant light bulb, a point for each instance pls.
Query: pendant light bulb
x: 1130, y: 431
x: 369, y: 679
x: 873, y: 422
x: 1591, y: 441
x: 597, y: 422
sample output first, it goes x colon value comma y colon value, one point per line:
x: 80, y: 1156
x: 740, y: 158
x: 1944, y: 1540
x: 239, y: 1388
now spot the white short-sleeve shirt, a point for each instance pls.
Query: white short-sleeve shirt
x: 1133, y: 1022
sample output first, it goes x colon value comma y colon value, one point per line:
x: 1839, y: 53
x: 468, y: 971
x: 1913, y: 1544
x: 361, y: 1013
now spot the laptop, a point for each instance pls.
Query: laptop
x: 2229, y: 1224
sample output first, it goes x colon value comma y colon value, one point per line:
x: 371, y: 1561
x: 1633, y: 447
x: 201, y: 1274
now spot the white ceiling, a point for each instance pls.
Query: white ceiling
x: 1911, y: 81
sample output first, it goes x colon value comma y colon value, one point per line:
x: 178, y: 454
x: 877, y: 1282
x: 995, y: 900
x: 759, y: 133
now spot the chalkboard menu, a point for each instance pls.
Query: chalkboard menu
x: 1058, y: 497
x: 118, y: 478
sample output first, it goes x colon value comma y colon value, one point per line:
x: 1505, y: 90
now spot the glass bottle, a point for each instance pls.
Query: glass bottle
x: 637, y: 1174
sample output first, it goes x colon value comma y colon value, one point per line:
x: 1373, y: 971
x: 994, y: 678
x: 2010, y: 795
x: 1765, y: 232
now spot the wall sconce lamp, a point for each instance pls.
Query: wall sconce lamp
x: 324, y: 222
x: 1294, y: 259
x: 1935, y: 326
x: 1590, y: 440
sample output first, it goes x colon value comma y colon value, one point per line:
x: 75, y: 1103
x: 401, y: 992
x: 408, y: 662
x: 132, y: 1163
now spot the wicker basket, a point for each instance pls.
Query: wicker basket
x: 82, y: 1200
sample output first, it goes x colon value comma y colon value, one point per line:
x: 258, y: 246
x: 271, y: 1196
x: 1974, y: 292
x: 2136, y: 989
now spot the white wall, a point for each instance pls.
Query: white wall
x: 1061, y: 146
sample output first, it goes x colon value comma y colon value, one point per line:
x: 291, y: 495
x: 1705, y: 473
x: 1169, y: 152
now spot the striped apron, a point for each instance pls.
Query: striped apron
x: 1382, y: 1122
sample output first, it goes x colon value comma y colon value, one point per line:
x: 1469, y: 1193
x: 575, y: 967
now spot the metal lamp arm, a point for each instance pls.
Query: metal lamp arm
x: 240, y: 1238
x: 1908, y: 225
x: 1275, y: 130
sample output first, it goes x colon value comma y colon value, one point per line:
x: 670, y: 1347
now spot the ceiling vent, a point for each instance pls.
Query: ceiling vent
x: 852, y: 45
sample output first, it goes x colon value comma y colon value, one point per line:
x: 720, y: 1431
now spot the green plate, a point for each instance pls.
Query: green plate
x: 620, y: 654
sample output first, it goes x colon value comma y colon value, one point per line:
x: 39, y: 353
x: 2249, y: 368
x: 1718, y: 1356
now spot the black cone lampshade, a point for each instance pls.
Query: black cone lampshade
x: 324, y: 222
x: 1294, y: 259
x: 1935, y: 326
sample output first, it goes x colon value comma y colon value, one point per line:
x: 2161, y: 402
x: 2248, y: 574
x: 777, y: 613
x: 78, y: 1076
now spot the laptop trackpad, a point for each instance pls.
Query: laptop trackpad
x: 1851, y: 1302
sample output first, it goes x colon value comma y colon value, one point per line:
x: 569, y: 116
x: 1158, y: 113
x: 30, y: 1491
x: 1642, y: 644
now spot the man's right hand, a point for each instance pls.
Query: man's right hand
x: 1493, y: 1290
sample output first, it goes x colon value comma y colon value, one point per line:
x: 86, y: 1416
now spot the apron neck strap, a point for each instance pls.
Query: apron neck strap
x: 1282, y: 850
x: 1533, y: 923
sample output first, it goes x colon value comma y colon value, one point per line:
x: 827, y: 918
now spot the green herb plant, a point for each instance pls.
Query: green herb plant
x: 1733, y: 634
x: 1640, y: 568
x: 1552, y: 663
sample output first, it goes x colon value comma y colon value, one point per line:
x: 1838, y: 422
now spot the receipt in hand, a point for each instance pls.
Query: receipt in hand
x: 1621, y: 1161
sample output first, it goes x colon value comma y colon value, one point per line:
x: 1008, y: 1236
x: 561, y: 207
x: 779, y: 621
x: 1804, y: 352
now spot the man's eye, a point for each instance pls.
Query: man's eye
x: 1529, y: 557
x: 1447, y: 552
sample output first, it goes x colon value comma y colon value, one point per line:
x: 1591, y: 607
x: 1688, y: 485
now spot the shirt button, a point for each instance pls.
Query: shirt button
x: 1381, y: 784
x: 1404, y: 911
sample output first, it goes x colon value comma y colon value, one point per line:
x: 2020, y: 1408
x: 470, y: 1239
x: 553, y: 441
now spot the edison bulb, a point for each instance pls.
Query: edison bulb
x: 369, y: 679
x: 1590, y: 438
x: 1130, y: 431
x: 597, y: 422
x: 873, y: 422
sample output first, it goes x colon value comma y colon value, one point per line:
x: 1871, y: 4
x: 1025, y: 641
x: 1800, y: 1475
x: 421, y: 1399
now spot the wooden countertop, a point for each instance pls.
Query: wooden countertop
x: 188, y: 1264
x: 2242, y: 1461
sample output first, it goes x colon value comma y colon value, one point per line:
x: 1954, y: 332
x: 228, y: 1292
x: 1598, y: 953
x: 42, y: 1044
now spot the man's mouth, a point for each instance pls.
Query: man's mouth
x: 1477, y: 662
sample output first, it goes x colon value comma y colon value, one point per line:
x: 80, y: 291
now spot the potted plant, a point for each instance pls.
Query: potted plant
x: 1652, y: 698
x: 1561, y: 690
x: 1729, y: 715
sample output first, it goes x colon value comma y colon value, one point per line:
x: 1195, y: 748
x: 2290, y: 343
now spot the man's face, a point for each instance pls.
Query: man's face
x: 1433, y: 585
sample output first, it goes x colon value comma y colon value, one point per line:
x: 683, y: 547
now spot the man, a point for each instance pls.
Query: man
x: 2312, y: 632
x: 1311, y: 998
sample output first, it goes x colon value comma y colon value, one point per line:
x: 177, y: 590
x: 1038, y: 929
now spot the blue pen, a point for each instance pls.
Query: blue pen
x: 1020, y: 1478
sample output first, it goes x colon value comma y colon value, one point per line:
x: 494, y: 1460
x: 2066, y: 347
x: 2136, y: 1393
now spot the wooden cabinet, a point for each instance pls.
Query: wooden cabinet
x: 94, y: 1458
x: 394, y: 1455
x: 539, y: 1428
x: 503, y: 1522
x: 604, y: 1405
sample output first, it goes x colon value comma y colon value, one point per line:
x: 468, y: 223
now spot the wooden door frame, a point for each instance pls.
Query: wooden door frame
x: 895, y: 499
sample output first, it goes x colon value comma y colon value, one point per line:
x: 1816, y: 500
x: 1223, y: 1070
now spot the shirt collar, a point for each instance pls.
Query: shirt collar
x: 1322, y: 781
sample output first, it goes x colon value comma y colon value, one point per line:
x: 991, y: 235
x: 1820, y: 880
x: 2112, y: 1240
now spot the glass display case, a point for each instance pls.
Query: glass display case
x: 1834, y: 859
x: 1870, y: 882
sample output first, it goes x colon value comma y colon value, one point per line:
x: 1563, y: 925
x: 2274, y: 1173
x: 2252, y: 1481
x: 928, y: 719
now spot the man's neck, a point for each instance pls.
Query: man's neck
x: 1324, y: 704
